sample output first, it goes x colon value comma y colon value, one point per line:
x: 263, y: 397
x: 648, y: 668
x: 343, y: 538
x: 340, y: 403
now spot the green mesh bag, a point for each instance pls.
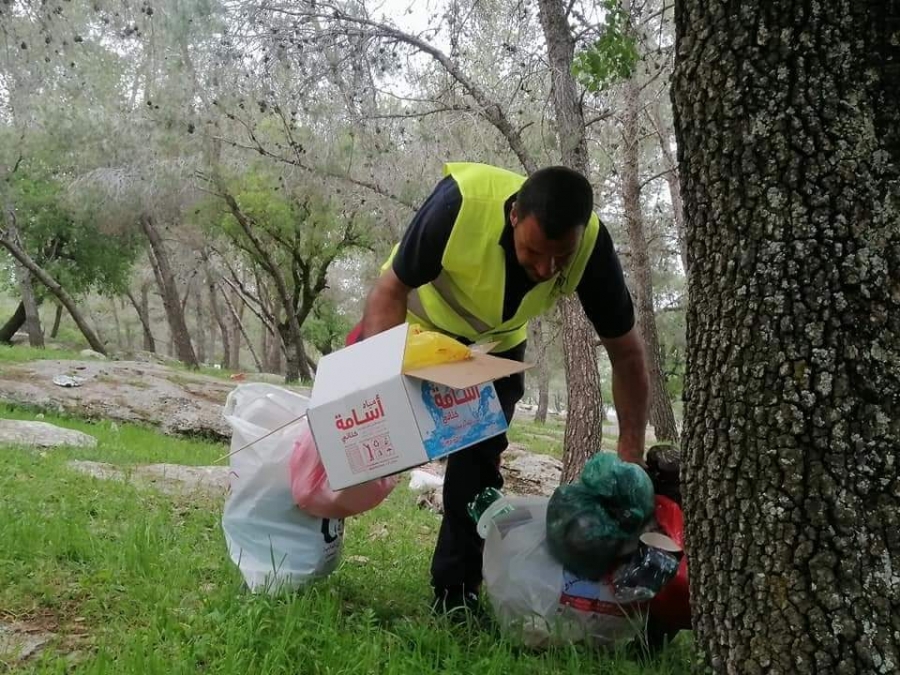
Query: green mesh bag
x: 589, y: 521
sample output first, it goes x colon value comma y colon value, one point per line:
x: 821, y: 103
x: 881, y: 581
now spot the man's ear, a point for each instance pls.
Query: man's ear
x: 514, y: 214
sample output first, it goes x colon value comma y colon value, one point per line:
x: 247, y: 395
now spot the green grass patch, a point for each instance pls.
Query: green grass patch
x: 24, y: 353
x: 133, y: 581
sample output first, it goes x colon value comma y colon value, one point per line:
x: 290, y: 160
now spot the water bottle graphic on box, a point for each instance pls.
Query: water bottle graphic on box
x: 460, y: 417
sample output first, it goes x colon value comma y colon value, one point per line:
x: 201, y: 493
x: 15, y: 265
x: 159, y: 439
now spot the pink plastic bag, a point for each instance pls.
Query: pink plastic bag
x: 310, y: 489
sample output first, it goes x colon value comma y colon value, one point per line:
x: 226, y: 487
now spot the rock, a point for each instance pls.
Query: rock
x: 169, y: 478
x: 42, y: 435
x: 528, y: 473
x: 91, y: 354
x: 175, y: 401
x: 19, y: 642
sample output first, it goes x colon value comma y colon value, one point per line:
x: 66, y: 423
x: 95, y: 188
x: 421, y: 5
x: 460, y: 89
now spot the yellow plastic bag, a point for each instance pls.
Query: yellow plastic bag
x: 428, y: 348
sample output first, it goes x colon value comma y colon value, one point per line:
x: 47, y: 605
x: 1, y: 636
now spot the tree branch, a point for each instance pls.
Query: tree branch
x: 652, y: 178
x: 489, y: 109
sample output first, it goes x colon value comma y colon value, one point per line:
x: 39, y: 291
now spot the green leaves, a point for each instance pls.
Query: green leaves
x: 612, y: 57
x: 70, y: 246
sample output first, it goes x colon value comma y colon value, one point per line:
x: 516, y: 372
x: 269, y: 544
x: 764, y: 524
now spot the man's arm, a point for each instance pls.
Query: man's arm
x: 386, y: 304
x: 607, y: 303
x: 630, y: 386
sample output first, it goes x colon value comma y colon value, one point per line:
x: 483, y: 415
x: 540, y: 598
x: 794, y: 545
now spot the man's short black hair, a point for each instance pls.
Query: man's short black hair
x: 560, y: 198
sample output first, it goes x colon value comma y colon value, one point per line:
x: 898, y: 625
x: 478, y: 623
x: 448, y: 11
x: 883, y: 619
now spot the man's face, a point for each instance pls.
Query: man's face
x: 541, y: 257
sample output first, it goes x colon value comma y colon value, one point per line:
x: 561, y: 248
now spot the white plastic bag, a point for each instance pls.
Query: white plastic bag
x: 538, y: 601
x: 275, y: 545
x: 423, y: 481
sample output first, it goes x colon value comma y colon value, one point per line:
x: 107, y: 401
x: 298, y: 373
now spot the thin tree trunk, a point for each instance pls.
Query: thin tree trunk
x: 584, y: 421
x: 200, y: 322
x: 117, y: 323
x: 670, y: 166
x: 220, y: 322
x: 542, y: 369
x: 58, y: 291
x: 661, y: 415
x: 237, y: 326
x: 57, y: 320
x: 13, y: 324
x: 236, y: 317
x: 275, y: 354
x: 168, y: 289
x: 143, y: 311
x: 264, y: 337
x: 129, y: 329
x: 32, y: 317
x: 788, y: 126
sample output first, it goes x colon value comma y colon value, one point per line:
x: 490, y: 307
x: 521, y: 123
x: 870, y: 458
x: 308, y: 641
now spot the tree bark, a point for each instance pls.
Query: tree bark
x: 541, y: 368
x: 788, y: 127
x: 57, y: 320
x: 58, y: 291
x: 584, y: 420
x: 13, y: 324
x: 168, y: 289
x: 661, y: 415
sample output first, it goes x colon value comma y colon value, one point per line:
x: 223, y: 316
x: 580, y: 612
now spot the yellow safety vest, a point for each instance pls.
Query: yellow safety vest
x: 466, y: 300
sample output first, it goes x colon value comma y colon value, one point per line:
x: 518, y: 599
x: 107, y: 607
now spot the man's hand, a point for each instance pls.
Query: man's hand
x: 630, y: 393
x: 385, y: 306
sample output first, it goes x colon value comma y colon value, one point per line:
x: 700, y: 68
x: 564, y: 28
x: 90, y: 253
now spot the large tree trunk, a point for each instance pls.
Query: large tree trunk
x: 168, y: 289
x: 13, y: 324
x: 58, y: 291
x: 296, y: 361
x: 584, y: 419
x: 661, y: 415
x: 538, y: 339
x: 788, y: 123
x: 32, y: 317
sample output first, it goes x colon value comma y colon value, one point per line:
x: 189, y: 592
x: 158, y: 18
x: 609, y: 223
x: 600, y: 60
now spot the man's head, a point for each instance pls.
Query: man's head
x: 548, y: 218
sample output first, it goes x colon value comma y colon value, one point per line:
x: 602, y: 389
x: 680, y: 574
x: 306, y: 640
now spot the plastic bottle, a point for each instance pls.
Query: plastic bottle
x: 486, y: 506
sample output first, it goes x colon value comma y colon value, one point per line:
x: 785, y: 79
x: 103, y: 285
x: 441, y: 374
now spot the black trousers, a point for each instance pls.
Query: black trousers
x: 456, y: 564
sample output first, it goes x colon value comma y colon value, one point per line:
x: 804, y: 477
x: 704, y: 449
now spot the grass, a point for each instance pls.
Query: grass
x: 24, y: 353
x: 133, y: 581
x: 545, y: 439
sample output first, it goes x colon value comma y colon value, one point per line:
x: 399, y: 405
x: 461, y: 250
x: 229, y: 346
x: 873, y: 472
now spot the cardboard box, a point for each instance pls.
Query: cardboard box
x: 370, y: 419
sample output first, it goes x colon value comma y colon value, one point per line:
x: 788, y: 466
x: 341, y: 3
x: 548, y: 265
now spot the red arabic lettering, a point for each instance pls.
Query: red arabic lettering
x: 375, y: 411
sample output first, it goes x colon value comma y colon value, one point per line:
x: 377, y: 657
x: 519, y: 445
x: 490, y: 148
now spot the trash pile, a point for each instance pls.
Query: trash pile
x: 592, y: 563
